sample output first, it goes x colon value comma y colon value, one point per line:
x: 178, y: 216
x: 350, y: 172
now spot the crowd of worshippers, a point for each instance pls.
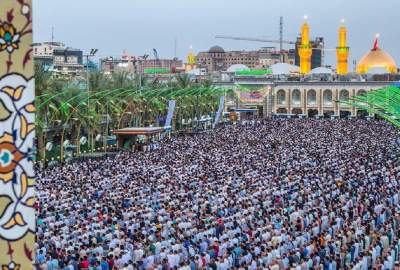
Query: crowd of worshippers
x: 274, y: 194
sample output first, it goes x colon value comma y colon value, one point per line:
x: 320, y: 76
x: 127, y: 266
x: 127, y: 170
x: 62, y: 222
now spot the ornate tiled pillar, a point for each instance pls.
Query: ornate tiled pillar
x: 17, y: 216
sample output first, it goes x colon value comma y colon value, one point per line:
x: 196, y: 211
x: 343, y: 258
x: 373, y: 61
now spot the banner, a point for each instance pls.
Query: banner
x: 170, y: 114
x: 220, y: 109
x: 17, y: 132
x: 251, y: 97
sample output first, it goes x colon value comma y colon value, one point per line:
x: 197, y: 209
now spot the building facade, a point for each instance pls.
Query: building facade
x: 44, y: 52
x: 171, y: 64
x: 112, y: 65
x: 311, y: 99
x: 65, y: 62
x: 216, y: 59
x: 318, y: 98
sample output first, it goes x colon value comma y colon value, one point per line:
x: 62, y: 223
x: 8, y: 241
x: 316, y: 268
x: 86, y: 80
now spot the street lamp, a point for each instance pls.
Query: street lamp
x: 91, y: 54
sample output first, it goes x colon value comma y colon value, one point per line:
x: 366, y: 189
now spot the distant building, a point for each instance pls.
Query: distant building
x: 112, y: 65
x: 64, y: 61
x: 171, y: 64
x: 270, y: 56
x: 306, y: 98
x: 138, y: 65
x: 216, y: 59
x: 43, y: 52
x: 317, y: 57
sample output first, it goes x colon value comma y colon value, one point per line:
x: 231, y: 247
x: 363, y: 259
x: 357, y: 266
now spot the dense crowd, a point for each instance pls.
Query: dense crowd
x: 273, y: 194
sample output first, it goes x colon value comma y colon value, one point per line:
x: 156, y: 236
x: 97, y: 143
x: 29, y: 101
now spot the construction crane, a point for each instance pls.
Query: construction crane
x: 255, y: 39
x: 280, y: 41
x: 266, y: 41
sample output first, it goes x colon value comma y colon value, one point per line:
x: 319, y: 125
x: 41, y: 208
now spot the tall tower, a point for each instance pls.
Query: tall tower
x: 305, y: 49
x: 342, y: 51
x: 191, y: 60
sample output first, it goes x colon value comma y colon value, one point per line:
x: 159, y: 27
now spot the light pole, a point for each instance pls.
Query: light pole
x: 106, y: 130
x: 91, y: 54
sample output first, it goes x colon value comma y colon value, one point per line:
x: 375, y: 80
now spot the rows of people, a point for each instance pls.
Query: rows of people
x: 275, y: 194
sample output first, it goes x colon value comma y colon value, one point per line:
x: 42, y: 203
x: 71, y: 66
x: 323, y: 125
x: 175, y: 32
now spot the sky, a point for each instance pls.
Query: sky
x: 138, y: 26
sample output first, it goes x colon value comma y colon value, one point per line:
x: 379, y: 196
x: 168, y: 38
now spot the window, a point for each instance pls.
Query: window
x: 296, y: 97
x: 327, y: 97
x: 361, y: 92
x: 281, y: 97
x: 344, y: 95
x: 311, y: 97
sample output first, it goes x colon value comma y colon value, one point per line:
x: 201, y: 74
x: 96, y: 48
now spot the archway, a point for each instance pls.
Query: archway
x: 312, y: 113
x: 328, y: 114
x: 344, y: 114
x: 362, y: 113
x: 297, y: 111
x: 361, y: 92
x: 281, y: 111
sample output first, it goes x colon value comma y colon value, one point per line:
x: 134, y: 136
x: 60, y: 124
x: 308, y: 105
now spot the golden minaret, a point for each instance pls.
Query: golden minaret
x: 342, y: 51
x: 305, y: 50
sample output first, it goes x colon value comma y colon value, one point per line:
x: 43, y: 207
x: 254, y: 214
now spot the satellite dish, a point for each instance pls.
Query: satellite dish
x: 83, y: 140
x: 98, y: 137
x: 66, y: 143
x: 49, y: 146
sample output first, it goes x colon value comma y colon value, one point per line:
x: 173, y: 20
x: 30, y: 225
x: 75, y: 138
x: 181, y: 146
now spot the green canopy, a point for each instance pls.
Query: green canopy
x: 384, y: 102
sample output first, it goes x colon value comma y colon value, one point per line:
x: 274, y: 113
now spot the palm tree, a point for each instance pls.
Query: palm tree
x: 183, y: 81
x: 121, y: 79
x: 45, y: 88
x: 72, y: 112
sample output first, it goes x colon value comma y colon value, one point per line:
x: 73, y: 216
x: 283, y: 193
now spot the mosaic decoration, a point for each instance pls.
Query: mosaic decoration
x: 17, y: 111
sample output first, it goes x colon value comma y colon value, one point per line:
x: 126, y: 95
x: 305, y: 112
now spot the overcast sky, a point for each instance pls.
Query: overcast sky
x: 140, y: 25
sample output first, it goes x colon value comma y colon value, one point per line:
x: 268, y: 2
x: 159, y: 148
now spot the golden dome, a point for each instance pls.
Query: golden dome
x: 376, y: 58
